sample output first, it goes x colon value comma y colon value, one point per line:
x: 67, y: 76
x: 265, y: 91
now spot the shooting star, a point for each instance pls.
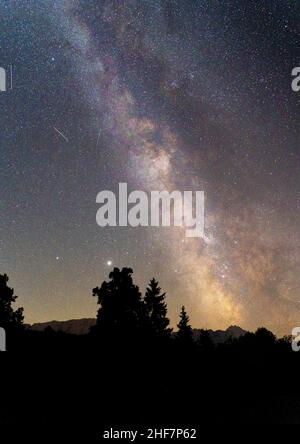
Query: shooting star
x: 98, y: 137
x: 62, y: 135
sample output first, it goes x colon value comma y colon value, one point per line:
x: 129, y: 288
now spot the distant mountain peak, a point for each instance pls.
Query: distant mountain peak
x: 82, y: 326
x: 71, y: 326
x: 235, y: 329
x: 221, y: 336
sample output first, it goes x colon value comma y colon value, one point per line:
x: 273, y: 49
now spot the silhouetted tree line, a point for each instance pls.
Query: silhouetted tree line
x: 9, y: 318
x: 136, y: 370
x: 126, y: 317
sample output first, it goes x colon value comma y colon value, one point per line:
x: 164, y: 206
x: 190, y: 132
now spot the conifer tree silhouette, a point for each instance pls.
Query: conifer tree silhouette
x: 264, y: 338
x: 9, y: 318
x: 121, y: 309
x: 185, y: 332
x: 156, y: 310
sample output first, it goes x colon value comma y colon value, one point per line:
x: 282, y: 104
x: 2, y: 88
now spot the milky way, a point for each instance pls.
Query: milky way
x: 163, y: 95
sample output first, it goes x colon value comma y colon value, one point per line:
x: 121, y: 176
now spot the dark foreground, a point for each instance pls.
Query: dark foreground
x: 81, y: 385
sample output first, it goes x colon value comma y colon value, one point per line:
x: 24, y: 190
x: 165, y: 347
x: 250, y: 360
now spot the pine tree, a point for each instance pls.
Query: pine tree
x: 121, y: 307
x: 185, y: 332
x: 9, y: 318
x: 156, y: 310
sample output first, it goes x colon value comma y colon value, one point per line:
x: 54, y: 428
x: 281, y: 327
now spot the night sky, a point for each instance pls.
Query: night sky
x: 163, y: 95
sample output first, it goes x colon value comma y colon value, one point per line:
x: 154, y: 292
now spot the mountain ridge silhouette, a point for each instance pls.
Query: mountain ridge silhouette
x: 81, y: 326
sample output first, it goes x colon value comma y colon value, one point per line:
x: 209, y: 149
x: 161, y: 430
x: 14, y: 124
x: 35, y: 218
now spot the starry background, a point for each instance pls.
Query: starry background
x: 192, y: 95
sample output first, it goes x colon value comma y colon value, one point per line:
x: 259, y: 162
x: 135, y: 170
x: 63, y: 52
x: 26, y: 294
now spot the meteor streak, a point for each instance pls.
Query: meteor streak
x: 62, y: 135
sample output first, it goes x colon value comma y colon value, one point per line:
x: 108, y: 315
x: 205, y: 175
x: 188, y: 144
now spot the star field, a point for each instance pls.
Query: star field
x: 162, y: 95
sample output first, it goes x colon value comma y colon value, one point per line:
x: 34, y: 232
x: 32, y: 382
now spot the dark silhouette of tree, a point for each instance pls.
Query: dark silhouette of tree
x: 185, y: 332
x: 265, y: 339
x: 204, y: 340
x: 156, y: 310
x: 262, y: 340
x: 9, y: 318
x: 121, y: 311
